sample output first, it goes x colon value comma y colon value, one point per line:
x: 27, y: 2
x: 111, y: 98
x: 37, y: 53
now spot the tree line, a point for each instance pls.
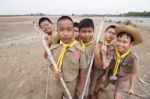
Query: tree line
x: 141, y: 14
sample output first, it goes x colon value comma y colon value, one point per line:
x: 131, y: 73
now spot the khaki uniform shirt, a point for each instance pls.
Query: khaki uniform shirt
x: 74, y: 59
x: 127, y: 66
x: 88, y: 54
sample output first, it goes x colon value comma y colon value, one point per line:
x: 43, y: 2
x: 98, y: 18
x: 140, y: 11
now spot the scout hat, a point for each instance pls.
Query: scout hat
x: 131, y: 30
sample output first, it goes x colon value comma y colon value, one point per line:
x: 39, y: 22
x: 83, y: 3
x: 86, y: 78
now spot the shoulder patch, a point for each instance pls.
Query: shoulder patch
x: 76, y: 53
x: 134, y: 55
x: 131, y: 57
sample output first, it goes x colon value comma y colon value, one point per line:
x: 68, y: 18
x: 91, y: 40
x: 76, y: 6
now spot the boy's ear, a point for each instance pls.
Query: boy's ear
x: 132, y: 43
x: 57, y: 31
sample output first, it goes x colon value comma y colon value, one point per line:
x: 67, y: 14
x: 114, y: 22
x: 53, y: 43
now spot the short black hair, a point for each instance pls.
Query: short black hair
x: 64, y: 18
x: 42, y: 19
x: 111, y: 26
x: 128, y: 35
x: 76, y: 24
x: 87, y: 22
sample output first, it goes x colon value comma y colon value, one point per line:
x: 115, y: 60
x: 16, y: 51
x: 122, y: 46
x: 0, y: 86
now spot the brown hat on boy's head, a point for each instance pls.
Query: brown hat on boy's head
x: 132, y: 31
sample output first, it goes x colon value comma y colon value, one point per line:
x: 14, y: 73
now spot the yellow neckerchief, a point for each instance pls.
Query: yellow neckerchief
x: 88, y: 43
x: 61, y: 56
x: 106, y: 42
x: 119, y: 58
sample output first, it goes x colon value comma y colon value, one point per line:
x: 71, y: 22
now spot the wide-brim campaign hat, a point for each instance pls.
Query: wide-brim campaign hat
x: 131, y: 30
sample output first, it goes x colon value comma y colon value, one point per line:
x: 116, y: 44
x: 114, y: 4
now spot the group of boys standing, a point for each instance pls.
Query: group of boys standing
x: 72, y: 47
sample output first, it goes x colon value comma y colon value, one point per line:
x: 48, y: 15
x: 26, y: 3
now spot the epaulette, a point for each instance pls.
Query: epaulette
x: 134, y: 55
x: 78, y: 46
x: 54, y: 46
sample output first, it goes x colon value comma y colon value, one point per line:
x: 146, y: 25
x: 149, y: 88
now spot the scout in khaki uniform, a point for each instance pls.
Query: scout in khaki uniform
x: 70, y: 59
x: 108, y: 42
x: 123, y: 64
x: 86, y: 31
x: 46, y: 26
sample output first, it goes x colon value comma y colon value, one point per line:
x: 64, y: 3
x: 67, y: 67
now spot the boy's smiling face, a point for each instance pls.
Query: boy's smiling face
x: 123, y: 43
x: 46, y: 27
x: 86, y: 34
x: 110, y: 35
x: 65, y: 30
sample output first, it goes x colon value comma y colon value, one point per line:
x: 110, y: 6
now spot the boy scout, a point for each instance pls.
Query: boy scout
x: 70, y: 59
x: 109, y: 37
x: 86, y: 31
x: 123, y: 64
x: 46, y: 26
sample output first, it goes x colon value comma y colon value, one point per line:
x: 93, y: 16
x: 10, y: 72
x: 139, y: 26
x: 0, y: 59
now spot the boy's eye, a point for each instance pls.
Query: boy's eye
x: 83, y: 31
x: 43, y: 26
x: 125, y: 42
x: 111, y: 32
x: 69, y: 29
x: 62, y: 29
x: 90, y: 31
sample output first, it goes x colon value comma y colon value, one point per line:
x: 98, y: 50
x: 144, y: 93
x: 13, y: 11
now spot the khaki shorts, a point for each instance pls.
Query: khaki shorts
x: 57, y: 91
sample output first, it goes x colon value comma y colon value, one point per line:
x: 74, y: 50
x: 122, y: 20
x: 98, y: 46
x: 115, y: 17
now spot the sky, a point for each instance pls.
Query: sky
x: 78, y: 7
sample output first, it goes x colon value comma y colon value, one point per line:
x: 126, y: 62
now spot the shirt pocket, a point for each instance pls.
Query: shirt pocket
x: 126, y: 68
x: 73, y: 62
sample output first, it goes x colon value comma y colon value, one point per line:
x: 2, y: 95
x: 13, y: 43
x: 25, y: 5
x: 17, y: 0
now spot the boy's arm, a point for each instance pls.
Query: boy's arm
x: 132, y: 83
x: 105, y: 60
x: 97, y: 56
x: 81, y: 81
x: 82, y: 70
x: 133, y: 75
x: 49, y: 41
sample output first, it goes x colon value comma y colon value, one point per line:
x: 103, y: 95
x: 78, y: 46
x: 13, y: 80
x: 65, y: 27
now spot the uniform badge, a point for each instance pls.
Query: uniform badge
x: 76, y: 53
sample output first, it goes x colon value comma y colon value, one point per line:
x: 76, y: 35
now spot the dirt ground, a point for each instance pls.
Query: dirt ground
x: 23, y: 70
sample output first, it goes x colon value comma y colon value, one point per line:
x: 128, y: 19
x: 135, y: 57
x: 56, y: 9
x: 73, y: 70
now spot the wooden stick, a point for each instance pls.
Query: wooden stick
x: 136, y: 95
x: 47, y: 84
